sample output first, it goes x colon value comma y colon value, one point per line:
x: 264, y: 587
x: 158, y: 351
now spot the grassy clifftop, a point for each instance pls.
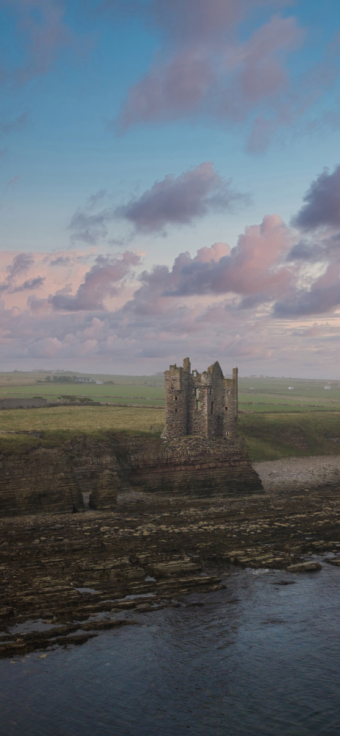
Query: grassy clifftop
x: 274, y: 436
x: 268, y: 436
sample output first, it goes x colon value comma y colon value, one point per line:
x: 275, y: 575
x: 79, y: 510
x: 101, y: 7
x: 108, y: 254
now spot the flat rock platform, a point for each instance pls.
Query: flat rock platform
x: 72, y: 575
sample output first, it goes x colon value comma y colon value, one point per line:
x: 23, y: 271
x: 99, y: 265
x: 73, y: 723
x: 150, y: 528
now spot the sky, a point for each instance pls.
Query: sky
x: 170, y: 185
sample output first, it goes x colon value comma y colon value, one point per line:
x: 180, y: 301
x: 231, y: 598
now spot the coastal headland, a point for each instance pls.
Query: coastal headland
x: 102, y: 519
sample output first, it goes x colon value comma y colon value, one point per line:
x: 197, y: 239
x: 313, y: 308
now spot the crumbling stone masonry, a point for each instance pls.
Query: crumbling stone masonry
x: 199, y: 454
x: 203, y: 404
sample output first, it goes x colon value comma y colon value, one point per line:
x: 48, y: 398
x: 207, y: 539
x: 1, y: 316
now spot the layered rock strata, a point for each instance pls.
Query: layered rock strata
x: 143, y: 556
x: 193, y: 466
x: 88, y: 472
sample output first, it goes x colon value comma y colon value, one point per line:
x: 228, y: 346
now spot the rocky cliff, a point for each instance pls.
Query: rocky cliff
x: 191, y: 466
x: 91, y: 472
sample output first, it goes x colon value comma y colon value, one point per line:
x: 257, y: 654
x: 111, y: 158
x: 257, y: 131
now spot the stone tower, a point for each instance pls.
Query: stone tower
x: 202, y: 404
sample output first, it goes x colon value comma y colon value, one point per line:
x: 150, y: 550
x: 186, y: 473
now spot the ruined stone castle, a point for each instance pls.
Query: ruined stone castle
x: 202, y: 404
x: 202, y: 455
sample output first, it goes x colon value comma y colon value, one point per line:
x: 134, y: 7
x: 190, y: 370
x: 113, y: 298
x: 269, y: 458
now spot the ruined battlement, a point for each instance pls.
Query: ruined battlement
x: 203, y: 404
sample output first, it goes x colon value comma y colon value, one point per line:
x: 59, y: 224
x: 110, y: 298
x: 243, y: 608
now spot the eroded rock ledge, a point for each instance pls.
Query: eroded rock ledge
x: 86, y: 470
x: 147, y: 554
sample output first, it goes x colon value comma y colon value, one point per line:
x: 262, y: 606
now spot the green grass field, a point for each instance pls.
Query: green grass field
x: 136, y: 394
x: 255, y: 394
x: 57, y: 424
x: 288, y: 394
x: 276, y: 421
x: 268, y: 436
x: 79, y: 419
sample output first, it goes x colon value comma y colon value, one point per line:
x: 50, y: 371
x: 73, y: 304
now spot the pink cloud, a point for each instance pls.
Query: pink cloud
x: 244, y: 305
x: 101, y: 281
x: 255, y: 269
x: 213, y: 253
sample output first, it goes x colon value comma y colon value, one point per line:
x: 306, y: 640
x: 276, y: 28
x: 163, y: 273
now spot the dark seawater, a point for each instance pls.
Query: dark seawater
x: 256, y: 659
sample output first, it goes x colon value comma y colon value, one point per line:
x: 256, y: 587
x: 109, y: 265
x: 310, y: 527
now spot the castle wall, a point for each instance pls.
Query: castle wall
x: 231, y: 404
x: 176, y: 398
x: 200, y: 404
x: 215, y: 407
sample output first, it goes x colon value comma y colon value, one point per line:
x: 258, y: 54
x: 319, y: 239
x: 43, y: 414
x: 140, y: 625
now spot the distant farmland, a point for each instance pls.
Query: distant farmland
x: 256, y: 394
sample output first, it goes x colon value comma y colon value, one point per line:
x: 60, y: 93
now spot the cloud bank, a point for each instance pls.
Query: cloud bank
x: 173, y: 201
x: 275, y: 295
x: 180, y: 200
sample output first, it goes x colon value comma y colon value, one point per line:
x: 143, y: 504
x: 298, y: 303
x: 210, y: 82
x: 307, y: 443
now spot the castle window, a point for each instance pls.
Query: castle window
x: 212, y: 407
x: 198, y: 405
x: 226, y: 408
x: 209, y: 391
x: 175, y: 411
x: 175, y: 398
x: 228, y: 392
x: 197, y: 393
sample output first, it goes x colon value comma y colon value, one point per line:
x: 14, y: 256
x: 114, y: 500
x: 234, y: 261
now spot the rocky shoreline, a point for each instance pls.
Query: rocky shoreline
x: 72, y: 575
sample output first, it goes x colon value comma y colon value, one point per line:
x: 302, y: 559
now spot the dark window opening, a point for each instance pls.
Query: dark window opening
x: 175, y: 398
x: 226, y: 408
x: 198, y: 404
x: 212, y: 407
x: 175, y: 411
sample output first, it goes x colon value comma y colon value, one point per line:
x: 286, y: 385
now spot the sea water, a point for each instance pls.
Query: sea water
x: 258, y: 658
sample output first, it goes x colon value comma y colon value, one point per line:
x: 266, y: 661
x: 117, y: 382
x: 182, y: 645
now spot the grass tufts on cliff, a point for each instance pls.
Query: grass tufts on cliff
x: 274, y: 436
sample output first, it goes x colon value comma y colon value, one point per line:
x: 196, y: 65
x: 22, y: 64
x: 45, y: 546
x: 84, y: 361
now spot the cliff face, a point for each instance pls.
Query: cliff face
x: 90, y: 472
x: 39, y: 481
x: 192, y: 466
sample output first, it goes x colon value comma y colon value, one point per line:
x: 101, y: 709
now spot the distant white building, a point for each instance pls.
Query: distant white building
x: 99, y: 383
x: 327, y: 387
x: 290, y: 388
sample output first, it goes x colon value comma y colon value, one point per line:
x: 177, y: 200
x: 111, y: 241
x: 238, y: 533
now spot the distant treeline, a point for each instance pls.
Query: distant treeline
x: 70, y: 379
x: 58, y: 379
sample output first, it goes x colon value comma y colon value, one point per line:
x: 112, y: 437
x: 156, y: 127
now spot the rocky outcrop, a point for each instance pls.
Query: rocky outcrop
x: 192, y: 466
x: 305, y: 567
x: 104, y: 495
x: 88, y: 472
x: 39, y: 481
